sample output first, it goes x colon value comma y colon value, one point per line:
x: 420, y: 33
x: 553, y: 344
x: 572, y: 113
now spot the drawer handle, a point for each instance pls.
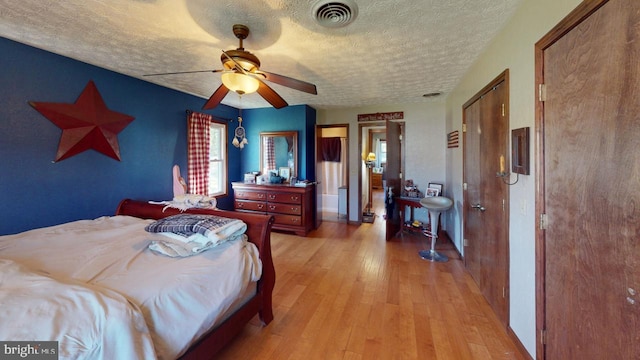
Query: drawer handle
x: 240, y: 205
x: 294, y: 198
x: 272, y: 207
x: 260, y: 196
x: 271, y: 196
x: 294, y: 220
x: 260, y: 206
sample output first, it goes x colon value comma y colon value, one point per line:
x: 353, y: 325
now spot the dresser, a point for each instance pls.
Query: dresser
x: 376, y: 180
x: 291, y: 206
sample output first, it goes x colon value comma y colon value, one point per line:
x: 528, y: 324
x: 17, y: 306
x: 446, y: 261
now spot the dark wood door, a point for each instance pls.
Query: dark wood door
x: 590, y: 179
x: 473, y: 229
x: 486, y: 208
x: 393, y: 175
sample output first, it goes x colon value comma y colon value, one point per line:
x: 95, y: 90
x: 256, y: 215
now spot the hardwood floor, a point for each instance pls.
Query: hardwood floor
x: 343, y: 292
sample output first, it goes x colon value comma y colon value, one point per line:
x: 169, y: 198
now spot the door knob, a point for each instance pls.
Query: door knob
x: 479, y: 207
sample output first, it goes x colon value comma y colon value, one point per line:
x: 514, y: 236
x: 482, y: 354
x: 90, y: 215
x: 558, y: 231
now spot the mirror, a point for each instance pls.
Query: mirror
x: 279, y: 152
x: 520, y: 151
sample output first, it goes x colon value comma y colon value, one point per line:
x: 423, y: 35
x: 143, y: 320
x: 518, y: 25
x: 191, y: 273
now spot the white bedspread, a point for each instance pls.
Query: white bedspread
x: 28, y: 300
x: 179, y: 297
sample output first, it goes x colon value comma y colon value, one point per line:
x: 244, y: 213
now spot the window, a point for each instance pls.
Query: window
x: 217, y: 159
x: 207, y: 144
x: 383, y: 152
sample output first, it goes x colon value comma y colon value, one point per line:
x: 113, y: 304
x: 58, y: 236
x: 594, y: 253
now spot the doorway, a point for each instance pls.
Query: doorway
x: 332, y: 169
x: 371, y: 170
x: 376, y: 164
x: 486, y: 195
x: 374, y: 137
x: 587, y: 247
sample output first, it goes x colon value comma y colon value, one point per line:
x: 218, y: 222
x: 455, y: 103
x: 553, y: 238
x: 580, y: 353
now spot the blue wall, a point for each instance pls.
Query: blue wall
x: 36, y: 192
x: 300, y: 118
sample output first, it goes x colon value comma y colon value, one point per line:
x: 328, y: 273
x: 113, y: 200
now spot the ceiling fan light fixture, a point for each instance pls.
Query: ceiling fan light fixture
x: 335, y: 14
x: 245, y: 59
x: 240, y: 83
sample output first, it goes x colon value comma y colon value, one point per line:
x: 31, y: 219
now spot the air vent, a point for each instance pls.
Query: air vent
x: 334, y: 14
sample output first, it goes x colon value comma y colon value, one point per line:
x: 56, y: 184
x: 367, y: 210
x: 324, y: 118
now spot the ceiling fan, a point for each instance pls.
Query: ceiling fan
x: 241, y: 73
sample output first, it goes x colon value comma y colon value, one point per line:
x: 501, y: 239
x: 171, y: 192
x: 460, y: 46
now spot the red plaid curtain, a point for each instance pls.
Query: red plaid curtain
x: 269, y: 154
x: 198, y: 147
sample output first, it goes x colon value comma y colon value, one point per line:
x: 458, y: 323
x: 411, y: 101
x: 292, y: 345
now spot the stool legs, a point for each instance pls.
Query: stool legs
x: 431, y: 254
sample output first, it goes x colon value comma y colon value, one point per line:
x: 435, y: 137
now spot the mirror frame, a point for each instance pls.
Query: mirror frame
x: 294, y: 134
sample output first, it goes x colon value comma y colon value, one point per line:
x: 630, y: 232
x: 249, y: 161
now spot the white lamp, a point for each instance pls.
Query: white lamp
x: 240, y: 83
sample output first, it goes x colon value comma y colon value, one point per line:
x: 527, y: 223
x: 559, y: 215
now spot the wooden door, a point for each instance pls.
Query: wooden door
x: 486, y: 210
x: 589, y: 197
x: 473, y: 229
x: 394, y: 175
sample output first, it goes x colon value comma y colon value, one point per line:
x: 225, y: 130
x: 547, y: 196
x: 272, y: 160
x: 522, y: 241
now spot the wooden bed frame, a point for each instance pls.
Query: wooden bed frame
x: 259, y: 233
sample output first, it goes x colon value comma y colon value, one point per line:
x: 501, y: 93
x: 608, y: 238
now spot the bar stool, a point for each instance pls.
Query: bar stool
x: 435, y: 205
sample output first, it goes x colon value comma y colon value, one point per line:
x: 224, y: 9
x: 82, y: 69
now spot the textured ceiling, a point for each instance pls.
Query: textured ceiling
x: 393, y: 52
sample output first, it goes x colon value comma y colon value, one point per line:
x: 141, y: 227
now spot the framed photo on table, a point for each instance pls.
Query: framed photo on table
x: 249, y: 179
x: 432, y: 192
x: 285, y: 173
x: 434, y: 189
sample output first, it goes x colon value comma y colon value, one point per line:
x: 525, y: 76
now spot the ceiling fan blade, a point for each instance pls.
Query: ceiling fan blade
x: 183, y: 72
x: 271, y: 96
x: 289, y: 82
x: 216, y: 97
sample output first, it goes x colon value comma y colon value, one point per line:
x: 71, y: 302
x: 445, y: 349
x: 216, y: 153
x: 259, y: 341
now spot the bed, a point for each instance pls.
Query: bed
x: 121, y: 300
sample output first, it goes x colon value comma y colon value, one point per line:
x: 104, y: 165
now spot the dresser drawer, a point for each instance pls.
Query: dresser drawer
x: 376, y: 181
x: 288, y: 198
x: 284, y: 209
x: 251, y: 205
x: 288, y: 220
x: 250, y: 195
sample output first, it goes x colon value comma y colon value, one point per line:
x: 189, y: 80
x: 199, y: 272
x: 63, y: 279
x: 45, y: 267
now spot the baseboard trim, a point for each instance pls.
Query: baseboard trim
x: 444, y: 232
x: 523, y: 351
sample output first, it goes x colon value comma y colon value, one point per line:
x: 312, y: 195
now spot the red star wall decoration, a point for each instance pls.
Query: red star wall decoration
x: 86, y: 124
